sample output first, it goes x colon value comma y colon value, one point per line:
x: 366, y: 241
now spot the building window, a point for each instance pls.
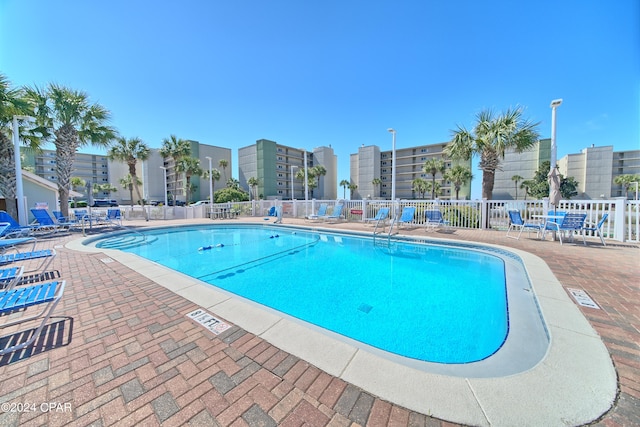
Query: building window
x: 424, y: 150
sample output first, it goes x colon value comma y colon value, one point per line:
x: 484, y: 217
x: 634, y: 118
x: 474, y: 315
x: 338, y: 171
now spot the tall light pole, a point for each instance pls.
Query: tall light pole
x: 292, y: 168
x: 210, y: 182
x: 306, y: 185
x: 393, y: 165
x: 554, y: 148
x: 166, y: 201
x: 22, y: 213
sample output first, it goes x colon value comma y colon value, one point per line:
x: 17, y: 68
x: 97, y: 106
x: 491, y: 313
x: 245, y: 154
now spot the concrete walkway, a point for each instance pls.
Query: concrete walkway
x: 122, y: 352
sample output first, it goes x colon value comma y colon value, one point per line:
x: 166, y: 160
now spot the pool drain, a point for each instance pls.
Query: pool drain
x: 365, y: 308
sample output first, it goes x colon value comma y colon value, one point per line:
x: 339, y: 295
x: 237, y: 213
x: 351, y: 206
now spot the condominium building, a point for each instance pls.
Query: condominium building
x: 275, y: 167
x: 523, y: 165
x: 594, y: 169
x: 370, y: 164
x: 98, y: 169
x: 153, y: 174
x: 91, y: 168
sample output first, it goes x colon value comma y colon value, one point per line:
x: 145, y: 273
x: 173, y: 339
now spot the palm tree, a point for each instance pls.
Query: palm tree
x: 128, y: 183
x: 376, y: 183
x: 215, y: 176
x: 223, y: 164
x: 253, y: 184
x: 516, y: 179
x: 175, y: 148
x: 525, y: 185
x: 625, y: 181
x: 300, y: 175
x: 129, y: 151
x: 344, y: 184
x: 190, y: 166
x: 66, y: 116
x: 77, y: 182
x: 432, y: 167
x: 490, y: 138
x: 12, y: 102
x: 317, y: 171
x: 434, y: 187
x: 352, y: 188
x: 419, y: 185
x: 458, y: 176
x: 233, y: 183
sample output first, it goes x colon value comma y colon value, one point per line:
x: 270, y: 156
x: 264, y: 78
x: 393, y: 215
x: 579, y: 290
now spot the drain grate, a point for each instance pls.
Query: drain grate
x: 582, y: 298
x: 366, y: 308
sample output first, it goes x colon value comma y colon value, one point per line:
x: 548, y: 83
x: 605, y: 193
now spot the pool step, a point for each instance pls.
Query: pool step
x: 127, y: 241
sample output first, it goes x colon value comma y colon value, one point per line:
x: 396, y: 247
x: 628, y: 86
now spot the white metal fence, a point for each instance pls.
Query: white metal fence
x: 622, y: 224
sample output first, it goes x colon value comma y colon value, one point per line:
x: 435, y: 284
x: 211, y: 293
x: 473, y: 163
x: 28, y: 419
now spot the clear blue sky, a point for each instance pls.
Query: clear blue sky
x: 335, y: 72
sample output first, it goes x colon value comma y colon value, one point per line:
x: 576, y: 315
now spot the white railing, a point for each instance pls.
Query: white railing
x: 622, y: 224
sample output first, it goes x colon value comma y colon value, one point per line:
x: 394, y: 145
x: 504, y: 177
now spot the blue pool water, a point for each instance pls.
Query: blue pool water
x: 426, y: 302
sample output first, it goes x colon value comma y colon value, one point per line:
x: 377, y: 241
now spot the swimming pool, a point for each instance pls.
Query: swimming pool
x: 419, y: 301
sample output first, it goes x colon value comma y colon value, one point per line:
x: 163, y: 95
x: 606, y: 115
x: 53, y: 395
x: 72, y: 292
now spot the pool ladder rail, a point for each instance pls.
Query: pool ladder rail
x: 378, y: 242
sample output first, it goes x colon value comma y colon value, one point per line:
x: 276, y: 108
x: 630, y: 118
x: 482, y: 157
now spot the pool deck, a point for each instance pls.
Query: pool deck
x: 121, y: 351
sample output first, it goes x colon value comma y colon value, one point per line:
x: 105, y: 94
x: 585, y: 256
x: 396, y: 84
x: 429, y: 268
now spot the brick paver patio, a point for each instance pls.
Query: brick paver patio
x: 120, y: 351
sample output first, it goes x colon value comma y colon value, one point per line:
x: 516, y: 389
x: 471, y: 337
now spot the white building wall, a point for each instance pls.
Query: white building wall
x: 247, y: 165
x: 524, y: 164
x: 592, y: 169
x: 328, y: 185
x: 368, y: 170
x: 118, y: 171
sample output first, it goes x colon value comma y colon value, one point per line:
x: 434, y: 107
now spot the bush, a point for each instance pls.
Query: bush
x: 230, y: 195
x: 459, y: 216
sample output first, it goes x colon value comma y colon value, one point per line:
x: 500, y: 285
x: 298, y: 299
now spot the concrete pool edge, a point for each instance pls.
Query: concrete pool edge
x: 574, y: 384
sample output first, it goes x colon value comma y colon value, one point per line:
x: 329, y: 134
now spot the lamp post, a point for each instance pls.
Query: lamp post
x: 393, y: 168
x: 554, y: 149
x: 22, y: 213
x: 210, y: 184
x: 164, y: 175
x: 636, y: 183
x: 306, y: 185
x: 292, y: 168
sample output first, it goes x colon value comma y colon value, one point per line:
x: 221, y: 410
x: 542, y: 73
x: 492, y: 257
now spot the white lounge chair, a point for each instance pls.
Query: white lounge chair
x: 47, y: 294
x: 47, y: 256
x: 9, y: 277
x: 517, y: 223
x: 322, y: 211
x: 408, y: 212
x: 335, y: 214
x: 434, y: 219
x: 596, y: 228
x: 381, y: 215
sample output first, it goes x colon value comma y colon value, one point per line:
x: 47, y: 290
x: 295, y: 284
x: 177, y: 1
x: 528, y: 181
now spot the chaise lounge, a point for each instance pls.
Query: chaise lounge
x: 11, y: 301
